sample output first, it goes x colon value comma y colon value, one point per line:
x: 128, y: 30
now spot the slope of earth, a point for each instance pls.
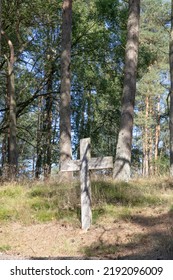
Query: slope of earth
x: 147, y: 234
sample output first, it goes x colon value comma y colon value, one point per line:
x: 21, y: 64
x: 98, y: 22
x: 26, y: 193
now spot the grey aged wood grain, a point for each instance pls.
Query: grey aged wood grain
x: 94, y: 164
x: 83, y: 165
x: 101, y: 163
x: 85, y: 155
x: 71, y: 165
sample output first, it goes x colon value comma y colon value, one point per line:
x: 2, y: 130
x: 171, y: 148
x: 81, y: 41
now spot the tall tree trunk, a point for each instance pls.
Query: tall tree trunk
x: 65, y: 112
x: 157, y: 136
x: 150, y: 138
x: 33, y: 165
x: 48, y: 126
x: 150, y: 152
x: 39, y: 147
x: 5, y: 143
x: 4, y: 159
x: 12, y: 146
x: 122, y: 169
x: 171, y: 93
x: 145, y: 144
x: 143, y: 149
x: 12, y: 130
x: 0, y: 23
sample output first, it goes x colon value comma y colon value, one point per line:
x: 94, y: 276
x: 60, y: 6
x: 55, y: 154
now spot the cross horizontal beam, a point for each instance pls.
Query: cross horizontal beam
x: 93, y: 164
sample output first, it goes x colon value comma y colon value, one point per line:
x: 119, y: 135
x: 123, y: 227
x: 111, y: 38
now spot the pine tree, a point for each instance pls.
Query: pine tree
x: 171, y: 92
x: 123, y: 153
x: 65, y: 110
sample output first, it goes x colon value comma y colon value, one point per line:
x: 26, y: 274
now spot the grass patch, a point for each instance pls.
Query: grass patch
x: 5, y: 248
x: 42, y: 191
x: 97, y: 213
x: 127, y: 194
x: 111, y: 214
x: 38, y: 203
x: 44, y: 216
x: 11, y: 192
x: 5, y: 214
x: 42, y: 202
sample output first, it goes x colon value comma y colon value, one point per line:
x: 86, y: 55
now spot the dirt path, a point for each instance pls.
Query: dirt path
x: 146, y: 235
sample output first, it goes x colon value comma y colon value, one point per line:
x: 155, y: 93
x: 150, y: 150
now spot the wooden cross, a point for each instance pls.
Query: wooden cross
x: 83, y: 165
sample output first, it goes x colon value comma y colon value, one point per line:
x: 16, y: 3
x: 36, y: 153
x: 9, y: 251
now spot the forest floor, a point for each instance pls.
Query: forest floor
x: 146, y: 232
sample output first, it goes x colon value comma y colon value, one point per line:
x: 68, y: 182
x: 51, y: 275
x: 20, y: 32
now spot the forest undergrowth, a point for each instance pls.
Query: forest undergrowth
x: 31, y: 202
x: 117, y: 207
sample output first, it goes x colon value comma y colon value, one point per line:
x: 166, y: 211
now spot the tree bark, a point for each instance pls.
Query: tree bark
x: 145, y: 145
x: 150, y: 138
x: 4, y: 159
x: 39, y: 148
x: 171, y: 92
x: 48, y: 126
x: 0, y: 23
x: 157, y: 136
x: 12, y: 153
x: 65, y: 98
x: 12, y: 127
x: 122, y: 166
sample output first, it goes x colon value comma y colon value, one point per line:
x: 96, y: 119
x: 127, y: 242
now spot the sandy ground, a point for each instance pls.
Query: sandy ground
x: 146, y: 235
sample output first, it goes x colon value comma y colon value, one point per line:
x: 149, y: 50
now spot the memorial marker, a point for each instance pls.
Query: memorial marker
x: 83, y: 165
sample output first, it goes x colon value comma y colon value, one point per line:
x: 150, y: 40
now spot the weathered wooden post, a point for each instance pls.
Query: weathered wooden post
x: 85, y: 155
x: 83, y: 165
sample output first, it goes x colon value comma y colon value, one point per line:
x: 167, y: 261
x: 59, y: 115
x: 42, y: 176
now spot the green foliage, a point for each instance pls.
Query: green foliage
x: 97, y: 77
x: 151, y: 96
x: 98, y: 46
x: 163, y: 165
